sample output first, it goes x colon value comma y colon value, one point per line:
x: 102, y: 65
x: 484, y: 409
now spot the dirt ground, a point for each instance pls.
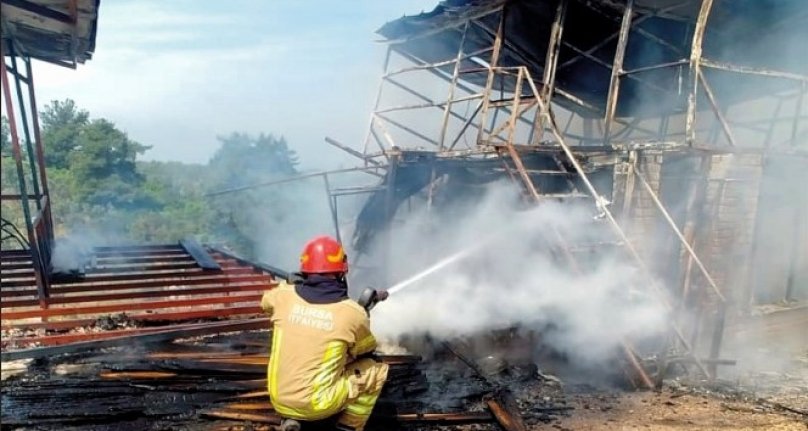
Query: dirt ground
x: 668, y: 410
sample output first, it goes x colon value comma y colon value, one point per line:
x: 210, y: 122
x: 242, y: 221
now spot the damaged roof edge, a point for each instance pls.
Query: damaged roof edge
x: 62, y: 33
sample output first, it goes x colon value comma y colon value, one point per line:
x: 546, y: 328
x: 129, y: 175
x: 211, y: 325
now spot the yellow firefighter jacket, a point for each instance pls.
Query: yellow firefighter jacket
x: 311, y: 345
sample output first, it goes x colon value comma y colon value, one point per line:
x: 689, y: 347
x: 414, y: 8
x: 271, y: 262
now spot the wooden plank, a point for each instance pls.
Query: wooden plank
x: 505, y: 410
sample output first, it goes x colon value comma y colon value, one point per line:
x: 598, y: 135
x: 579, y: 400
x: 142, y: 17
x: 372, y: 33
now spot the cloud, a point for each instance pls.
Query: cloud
x: 175, y: 75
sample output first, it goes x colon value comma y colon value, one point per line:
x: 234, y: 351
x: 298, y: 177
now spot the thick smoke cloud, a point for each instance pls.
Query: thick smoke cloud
x: 513, y: 279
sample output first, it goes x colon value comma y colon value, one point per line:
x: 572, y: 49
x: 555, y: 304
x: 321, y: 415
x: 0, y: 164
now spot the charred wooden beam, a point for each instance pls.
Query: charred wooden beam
x: 445, y: 418
x: 505, y: 410
x: 265, y: 418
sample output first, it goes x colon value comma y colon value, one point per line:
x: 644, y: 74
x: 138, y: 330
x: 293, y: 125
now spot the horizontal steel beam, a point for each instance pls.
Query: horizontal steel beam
x: 202, y: 329
x: 199, y: 281
x: 128, y: 307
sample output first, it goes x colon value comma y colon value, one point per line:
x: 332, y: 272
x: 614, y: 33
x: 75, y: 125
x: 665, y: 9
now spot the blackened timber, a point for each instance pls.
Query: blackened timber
x: 505, y: 410
x: 40, y: 10
x: 266, y: 418
x: 445, y: 418
x: 200, y: 255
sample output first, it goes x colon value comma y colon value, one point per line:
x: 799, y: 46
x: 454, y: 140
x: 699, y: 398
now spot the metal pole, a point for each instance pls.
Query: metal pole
x: 716, y: 109
x: 490, y: 80
x: 17, y: 151
x: 800, y: 226
x: 452, y: 85
x: 717, y: 338
x: 40, y: 152
x: 601, y: 205
x: 392, y: 172
x: 378, y: 99
x: 795, y: 124
x: 25, y: 129
x: 679, y: 235
x: 695, y: 65
x: 550, y: 68
x: 617, y: 69
x: 331, y: 206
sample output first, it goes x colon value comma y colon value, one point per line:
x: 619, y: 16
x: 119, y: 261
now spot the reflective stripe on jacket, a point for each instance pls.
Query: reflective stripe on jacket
x: 311, y: 345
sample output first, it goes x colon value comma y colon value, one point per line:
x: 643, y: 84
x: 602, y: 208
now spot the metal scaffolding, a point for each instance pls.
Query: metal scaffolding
x: 30, y: 164
x: 508, y: 72
x: 63, y: 35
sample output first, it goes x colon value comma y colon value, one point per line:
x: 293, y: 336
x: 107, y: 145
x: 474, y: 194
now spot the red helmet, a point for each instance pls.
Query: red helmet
x: 322, y: 255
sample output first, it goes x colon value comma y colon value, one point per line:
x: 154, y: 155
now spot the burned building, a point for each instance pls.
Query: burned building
x: 680, y: 122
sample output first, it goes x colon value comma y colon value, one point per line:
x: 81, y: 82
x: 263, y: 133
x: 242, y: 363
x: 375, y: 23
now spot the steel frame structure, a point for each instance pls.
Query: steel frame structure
x: 30, y: 163
x: 522, y: 119
x: 379, y: 142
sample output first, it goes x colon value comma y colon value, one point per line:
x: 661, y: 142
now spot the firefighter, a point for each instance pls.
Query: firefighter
x: 316, y: 367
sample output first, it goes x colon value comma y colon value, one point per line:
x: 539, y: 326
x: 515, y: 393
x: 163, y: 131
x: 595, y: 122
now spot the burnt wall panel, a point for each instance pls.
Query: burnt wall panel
x: 730, y: 208
x: 642, y: 218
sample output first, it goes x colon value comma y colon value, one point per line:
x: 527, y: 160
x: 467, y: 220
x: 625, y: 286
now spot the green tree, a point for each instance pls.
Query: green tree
x: 103, y: 164
x: 5, y: 137
x: 242, y: 218
x: 242, y: 159
x: 62, y: 124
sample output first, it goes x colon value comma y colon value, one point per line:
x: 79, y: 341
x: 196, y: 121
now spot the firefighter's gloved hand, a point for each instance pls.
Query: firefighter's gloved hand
x: 370, y: 355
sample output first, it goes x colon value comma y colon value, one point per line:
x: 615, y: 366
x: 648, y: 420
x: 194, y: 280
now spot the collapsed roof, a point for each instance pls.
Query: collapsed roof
x: 750, y: 33
x: 56, y: 31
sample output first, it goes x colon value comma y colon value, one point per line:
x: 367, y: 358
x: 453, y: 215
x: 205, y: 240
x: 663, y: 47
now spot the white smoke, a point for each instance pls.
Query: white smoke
x: 73, y: 251
x: 512, y: 279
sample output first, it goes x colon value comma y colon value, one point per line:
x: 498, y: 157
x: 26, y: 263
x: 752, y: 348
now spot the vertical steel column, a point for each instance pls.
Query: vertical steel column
x: 377, y: 101
x: 452, y: 85
x: 717, y: 339
x: 716, y: 109
x: 40, y: 152
x: 17, y: 151
x: 25, y: 129
x: 550, y: 68
x: 695, y: 66
x: 799, y: 211
x: 489, y: 83
x: 446, y: 111
x: 389, y: 213
x: 797, y: 113
x: 617, y: 70
x: 332, y: 207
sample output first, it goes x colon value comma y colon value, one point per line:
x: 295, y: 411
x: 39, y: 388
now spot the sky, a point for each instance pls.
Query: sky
x: 176, y: 74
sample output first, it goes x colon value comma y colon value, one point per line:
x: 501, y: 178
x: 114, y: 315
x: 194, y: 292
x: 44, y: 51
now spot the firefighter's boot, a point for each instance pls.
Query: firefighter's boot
x: 290, y: 425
